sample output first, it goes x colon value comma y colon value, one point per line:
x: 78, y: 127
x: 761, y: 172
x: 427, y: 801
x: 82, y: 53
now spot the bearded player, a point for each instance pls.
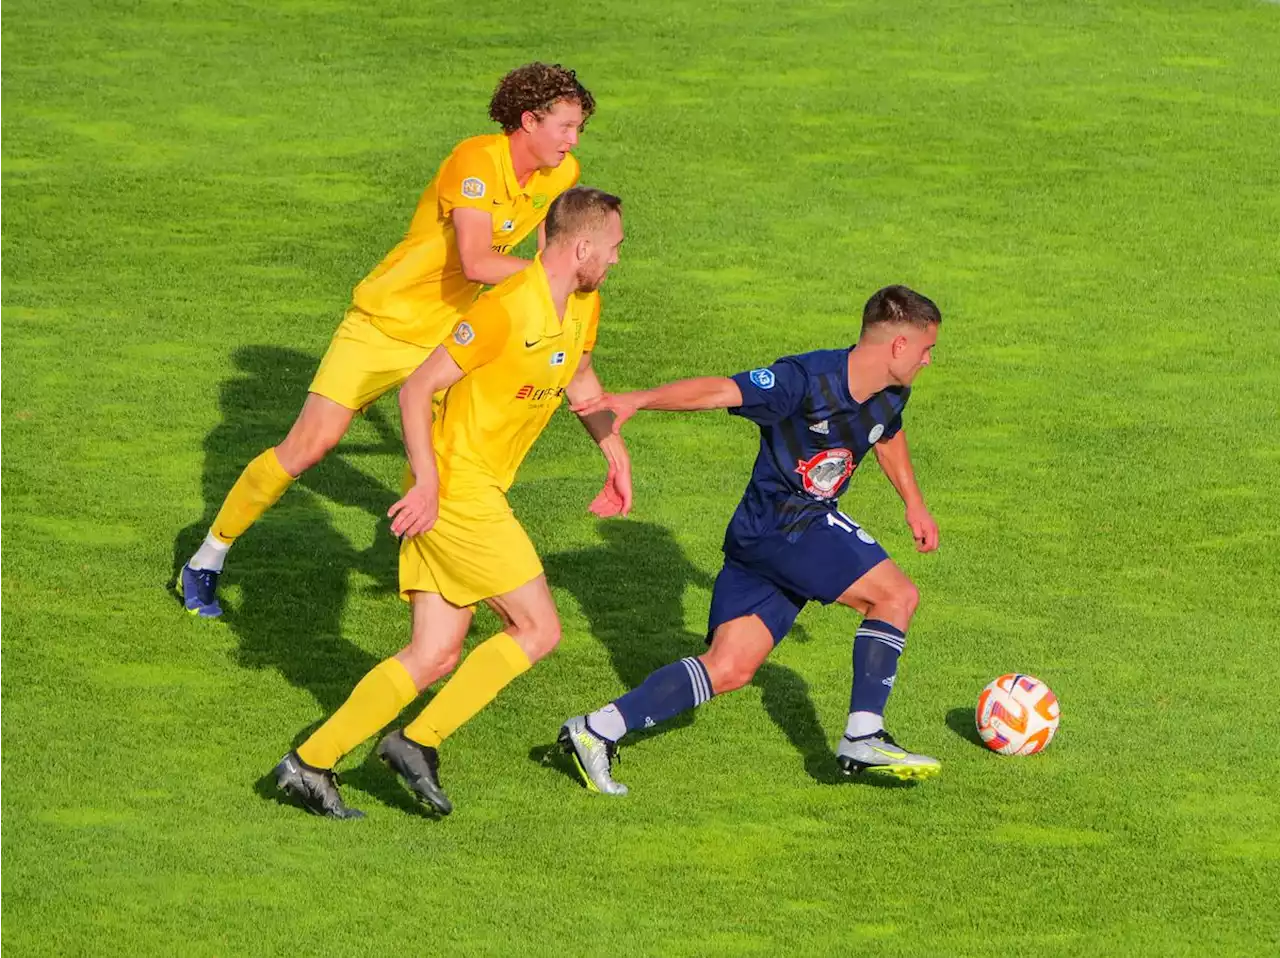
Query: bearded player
x: 524, y: 345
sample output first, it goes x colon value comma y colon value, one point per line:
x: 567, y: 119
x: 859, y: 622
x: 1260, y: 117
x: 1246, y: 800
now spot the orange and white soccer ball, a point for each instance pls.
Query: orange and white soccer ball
x: 1017, y: 715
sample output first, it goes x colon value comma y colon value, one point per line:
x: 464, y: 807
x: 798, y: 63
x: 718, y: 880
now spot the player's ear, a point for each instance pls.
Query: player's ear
x: 528, y: 121
x: 899, y: 345
x: 582, y: 249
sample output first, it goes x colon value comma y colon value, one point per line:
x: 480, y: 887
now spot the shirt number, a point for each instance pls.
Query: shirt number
x: 844, y: 522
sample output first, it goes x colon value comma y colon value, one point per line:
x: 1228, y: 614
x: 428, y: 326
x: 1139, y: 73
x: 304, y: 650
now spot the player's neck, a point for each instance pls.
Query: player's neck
x: 562, y: 277
x: 867, y: 373
x: 523, y: 162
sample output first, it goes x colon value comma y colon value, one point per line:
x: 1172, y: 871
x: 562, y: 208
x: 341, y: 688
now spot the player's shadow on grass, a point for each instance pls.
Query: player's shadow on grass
x: 631, y: 589
x: 293, y: 567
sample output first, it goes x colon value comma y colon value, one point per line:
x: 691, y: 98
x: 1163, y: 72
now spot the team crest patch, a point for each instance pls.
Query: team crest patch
x: 762, y: 378
x: 557, y: 359
x: 539, y: 201
x: 825, y: 473
x: 473, y: 187
x: 877, y: 431
x: 463, y: 334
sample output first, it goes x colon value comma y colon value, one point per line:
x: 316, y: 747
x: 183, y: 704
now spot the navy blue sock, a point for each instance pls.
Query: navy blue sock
x: 876, y: 648
x: 667, y: 692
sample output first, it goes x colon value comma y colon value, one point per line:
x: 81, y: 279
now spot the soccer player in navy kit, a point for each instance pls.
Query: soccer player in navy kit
x: 819, y: 413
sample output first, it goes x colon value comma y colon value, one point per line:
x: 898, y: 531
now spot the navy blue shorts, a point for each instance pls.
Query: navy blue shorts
x: 774, y: 578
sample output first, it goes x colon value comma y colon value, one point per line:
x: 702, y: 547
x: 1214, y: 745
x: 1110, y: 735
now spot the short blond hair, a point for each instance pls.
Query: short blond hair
x: 580, y: 210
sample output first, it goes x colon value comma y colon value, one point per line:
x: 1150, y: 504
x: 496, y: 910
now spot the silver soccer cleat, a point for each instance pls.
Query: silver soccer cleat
x: 592, y: 755
x: 879, y: 753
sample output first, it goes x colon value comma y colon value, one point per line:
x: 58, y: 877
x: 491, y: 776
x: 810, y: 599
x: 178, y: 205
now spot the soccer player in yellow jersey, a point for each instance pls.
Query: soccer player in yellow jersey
x: 489, y: 194
x: 524, y: 345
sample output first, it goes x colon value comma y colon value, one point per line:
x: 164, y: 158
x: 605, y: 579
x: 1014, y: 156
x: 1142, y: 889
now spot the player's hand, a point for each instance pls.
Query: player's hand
x: 415, y: 513
x: 923, y: 529
x: 622, y: 405
x: 615, y: 498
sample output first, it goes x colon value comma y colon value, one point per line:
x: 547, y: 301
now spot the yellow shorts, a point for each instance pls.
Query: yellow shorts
x: 476, y: 549
x: 363, y: 362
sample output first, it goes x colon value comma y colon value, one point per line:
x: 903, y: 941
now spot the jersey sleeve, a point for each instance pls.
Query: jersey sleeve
x: 468, y: 179
x: 771, y: 393
x: 895, y: 424
x: 593, y: 324
x: 480, y: 337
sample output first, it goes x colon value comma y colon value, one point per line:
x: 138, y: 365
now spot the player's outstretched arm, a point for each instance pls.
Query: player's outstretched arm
x: 895, y: 462
x: 685, y: 395
x: 615, y: 498
x: 416, y: 512
x: 480, y: 262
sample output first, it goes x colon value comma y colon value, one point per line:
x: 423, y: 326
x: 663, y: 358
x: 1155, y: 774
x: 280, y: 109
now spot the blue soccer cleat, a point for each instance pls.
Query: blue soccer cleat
x: 199, y: 591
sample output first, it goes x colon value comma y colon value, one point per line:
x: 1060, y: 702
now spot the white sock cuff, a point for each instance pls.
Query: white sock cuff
x: 211, y: 554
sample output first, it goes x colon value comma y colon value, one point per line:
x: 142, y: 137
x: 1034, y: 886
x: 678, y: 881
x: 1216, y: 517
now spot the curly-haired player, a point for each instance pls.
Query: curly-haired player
x: 487, y: 196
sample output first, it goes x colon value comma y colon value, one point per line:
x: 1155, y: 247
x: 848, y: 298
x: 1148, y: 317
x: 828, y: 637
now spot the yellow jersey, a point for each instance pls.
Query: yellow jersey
x: 418, y: 292
x: 517, y: 357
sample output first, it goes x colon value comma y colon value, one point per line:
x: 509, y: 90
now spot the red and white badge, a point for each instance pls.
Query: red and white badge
x: 826, y: 472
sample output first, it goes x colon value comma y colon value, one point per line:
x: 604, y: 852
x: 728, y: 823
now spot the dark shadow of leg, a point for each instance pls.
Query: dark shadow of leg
x: 632, y: 592
x: 786, y: 698
x: 293, y: 569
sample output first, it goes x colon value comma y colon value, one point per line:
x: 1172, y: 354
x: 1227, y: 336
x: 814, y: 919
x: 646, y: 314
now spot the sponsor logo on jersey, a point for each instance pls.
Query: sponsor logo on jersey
x: 463, y: 334
x: 825, y: 473
x: 535, y: 394
x: 508, y: 225
x: 473, y: 187
x: 557, y: 359
x: 762, y: 378
x: 821, y: 428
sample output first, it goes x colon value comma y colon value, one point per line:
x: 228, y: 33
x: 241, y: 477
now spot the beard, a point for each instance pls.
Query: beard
x: 589, y: 280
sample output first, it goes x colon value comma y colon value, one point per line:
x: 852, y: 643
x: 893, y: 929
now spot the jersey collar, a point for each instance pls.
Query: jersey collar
x: 509, y: 170
x: 551, y: 323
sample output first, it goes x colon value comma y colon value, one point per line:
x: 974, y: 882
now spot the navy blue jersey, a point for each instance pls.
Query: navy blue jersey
x: 812, y: 437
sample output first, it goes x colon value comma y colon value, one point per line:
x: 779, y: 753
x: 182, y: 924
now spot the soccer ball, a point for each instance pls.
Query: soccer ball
x: 1017, y: 715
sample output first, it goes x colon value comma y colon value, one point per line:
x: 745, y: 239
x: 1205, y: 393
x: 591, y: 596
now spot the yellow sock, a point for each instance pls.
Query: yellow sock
x: 375, y: 701
x: 259, y: 486
x: 483, y: 674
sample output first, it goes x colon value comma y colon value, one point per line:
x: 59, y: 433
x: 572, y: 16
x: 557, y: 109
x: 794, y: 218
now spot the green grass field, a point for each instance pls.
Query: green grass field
x: 1089, y: 190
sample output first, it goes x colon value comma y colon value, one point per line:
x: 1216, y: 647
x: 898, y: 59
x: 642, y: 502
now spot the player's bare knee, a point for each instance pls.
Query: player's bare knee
x: 908, y: 597
x: 898, y: 603
x: 537, y: 638
x: 427, y: 664
x: 303, y: 449
x: 727, y: 673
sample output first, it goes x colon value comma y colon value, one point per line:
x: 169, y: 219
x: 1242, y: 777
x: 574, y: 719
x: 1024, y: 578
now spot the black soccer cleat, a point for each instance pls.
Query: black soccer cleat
x: 419, y: 766
x: 315, y: 789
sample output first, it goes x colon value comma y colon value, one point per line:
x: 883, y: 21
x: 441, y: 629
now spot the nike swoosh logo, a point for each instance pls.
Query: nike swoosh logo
x: 889, y: 754
x: 530, y: 345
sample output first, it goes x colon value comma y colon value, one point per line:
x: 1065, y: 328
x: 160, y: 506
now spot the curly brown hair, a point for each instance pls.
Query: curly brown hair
x: 537, y: 87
